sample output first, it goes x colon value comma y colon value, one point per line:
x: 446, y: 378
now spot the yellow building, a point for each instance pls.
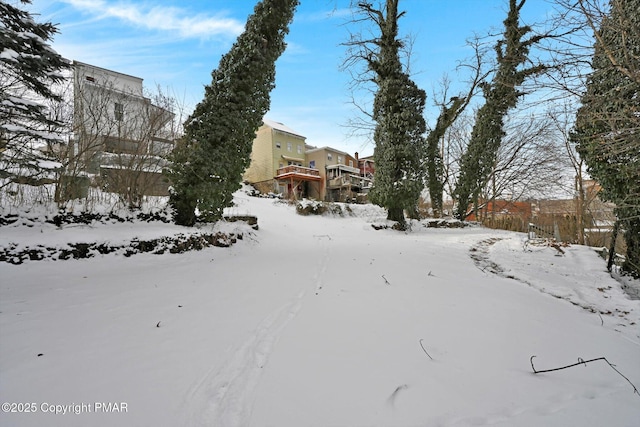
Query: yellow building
x: 282, y: 163
x: 278, y: 163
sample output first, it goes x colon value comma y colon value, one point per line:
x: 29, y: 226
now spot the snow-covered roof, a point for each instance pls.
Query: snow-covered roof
x: 281, y: 127
x: 104, y: 70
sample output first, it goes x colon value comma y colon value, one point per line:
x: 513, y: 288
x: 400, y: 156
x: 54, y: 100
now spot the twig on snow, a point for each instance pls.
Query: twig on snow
x: 425, y: 350
x: 557, y: 248
x: 385, y: 280
x: 392, y: 398
x: 584, y: 362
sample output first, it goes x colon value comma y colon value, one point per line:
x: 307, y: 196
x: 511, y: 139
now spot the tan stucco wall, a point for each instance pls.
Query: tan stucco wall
x: 320, y: 156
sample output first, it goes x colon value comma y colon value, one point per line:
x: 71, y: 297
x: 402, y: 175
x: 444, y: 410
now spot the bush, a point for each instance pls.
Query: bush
x: 307, y: 207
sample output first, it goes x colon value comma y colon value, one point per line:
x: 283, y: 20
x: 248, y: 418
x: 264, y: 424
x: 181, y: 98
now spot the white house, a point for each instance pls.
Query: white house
x: 119, y: 135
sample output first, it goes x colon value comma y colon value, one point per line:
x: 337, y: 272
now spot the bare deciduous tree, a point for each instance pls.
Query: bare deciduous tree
x: 118, y: 138
x: 451, y: 108
x: 528, y: 163
x: 360, y: 48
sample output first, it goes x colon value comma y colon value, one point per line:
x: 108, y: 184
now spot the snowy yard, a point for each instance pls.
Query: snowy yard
x: 315, y: 321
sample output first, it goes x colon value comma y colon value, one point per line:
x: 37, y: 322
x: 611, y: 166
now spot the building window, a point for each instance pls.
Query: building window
x: 351, y: 163
x: 160, y: 148
x: 339, y: 160
x: 121, y: 146
x: 329, y: 156
x: 299, y: 149
x: 118, y: 111
x: 289, y: 146
x: 312, y: 164
x: 278, y: 145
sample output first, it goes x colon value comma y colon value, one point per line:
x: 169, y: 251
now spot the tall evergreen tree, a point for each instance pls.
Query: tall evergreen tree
x: 435, y: 164
x: 607, y: 129
x: 501, y: 95
x: 398, y: 107
x: 208, y: 164
x: 29, y: 68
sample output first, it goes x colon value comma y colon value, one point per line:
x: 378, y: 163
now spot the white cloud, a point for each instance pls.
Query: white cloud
x: 162, y: 18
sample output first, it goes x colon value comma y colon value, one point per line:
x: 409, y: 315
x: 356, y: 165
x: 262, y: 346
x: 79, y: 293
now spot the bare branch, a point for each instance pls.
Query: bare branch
x: 584, y: 363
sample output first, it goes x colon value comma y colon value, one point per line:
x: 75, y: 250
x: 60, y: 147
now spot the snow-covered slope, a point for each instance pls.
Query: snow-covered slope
x: 318, y: 321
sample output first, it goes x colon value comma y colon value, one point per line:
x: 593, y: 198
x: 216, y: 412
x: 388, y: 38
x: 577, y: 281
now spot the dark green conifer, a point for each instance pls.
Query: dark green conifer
x: 208, y: 164
x: 435, y: 164
x: 400, y: 126
x: 607, y: 129
x: 501, y: 95
x: 29, y: 69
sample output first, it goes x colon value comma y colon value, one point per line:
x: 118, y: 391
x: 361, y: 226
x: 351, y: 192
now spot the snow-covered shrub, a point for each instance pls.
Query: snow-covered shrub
x: 312, y: 207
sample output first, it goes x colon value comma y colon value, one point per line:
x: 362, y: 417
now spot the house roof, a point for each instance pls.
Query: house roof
x: 345, y: 168
x: 293, y: 159
x: 281, y: 127
x: 333, y: 150
x: 95, y: 67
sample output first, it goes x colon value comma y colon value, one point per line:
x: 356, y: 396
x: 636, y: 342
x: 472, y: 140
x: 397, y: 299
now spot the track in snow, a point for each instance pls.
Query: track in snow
x: 225, y: 396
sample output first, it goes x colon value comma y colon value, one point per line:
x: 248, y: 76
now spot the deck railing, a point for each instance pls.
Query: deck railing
x: 537, y: 231
x: 298, y: 170
x: 352, y: 180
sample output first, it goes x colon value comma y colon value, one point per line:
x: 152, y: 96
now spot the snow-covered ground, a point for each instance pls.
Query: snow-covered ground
x: 315, y: 321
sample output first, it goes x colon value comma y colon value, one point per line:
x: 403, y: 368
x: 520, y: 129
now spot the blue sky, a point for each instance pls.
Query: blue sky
x: 176, y: 45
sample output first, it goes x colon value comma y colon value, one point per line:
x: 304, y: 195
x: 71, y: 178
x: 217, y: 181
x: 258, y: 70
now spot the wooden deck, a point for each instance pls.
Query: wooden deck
x: 299, y: 173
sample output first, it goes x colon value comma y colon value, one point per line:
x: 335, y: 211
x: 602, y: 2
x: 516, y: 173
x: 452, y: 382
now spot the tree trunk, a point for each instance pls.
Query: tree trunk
x: 580, y: 209
x: 396, y: 214
x: 612, y: 245
x: 493, y: 197
x: 632, y: 240
x: 184, y: 209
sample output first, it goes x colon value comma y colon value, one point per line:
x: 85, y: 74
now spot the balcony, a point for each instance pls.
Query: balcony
x: 352, y: 181
x: 298, y: 173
